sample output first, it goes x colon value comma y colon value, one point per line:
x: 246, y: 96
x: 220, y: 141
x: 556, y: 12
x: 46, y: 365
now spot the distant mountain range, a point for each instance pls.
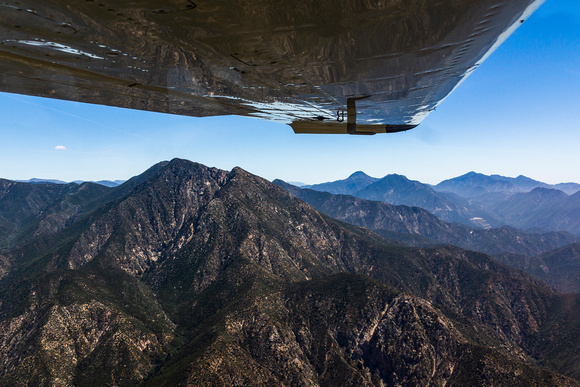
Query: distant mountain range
x: 189, y: 275
x: 106, y: 183
x: 474, y: 199
x: 397, y: 189
x: 474, y: 184
x: 417, y: 227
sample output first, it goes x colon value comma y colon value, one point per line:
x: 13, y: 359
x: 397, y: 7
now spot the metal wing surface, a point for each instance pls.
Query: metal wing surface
x: 324, y: 66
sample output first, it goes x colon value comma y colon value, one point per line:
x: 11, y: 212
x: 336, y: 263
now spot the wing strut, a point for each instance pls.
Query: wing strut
x: 351, y: 117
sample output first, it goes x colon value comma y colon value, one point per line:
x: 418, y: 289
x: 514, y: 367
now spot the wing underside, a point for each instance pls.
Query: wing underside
x: 297, y: 62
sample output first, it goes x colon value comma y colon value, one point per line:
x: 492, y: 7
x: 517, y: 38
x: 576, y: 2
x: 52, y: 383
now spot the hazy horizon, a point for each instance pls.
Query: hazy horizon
x: 291, y: 182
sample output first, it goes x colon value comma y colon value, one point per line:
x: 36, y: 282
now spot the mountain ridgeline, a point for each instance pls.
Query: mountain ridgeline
x: 398, y: 190
x: 474, y: 199
x: 189, y: 275
x: 473, y: 184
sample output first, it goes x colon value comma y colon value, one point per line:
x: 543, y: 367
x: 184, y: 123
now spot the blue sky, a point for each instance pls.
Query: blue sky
x: 517, y: 114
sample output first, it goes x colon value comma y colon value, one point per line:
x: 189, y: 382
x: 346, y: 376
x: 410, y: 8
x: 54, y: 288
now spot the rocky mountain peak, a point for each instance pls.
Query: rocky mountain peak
x: 348, y: 186
x: 359, y: 175
x: 397, y: 178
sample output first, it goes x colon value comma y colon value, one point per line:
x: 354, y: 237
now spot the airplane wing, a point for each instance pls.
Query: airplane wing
x: 323, y: 66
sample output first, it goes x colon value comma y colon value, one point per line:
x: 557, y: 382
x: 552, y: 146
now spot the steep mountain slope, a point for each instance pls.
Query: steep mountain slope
x: 190, y: 275
x: 32, y: 214
x: 34, y: 210
x: 19, y: 202
x: 81, y: 328
x: 348, y: 186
